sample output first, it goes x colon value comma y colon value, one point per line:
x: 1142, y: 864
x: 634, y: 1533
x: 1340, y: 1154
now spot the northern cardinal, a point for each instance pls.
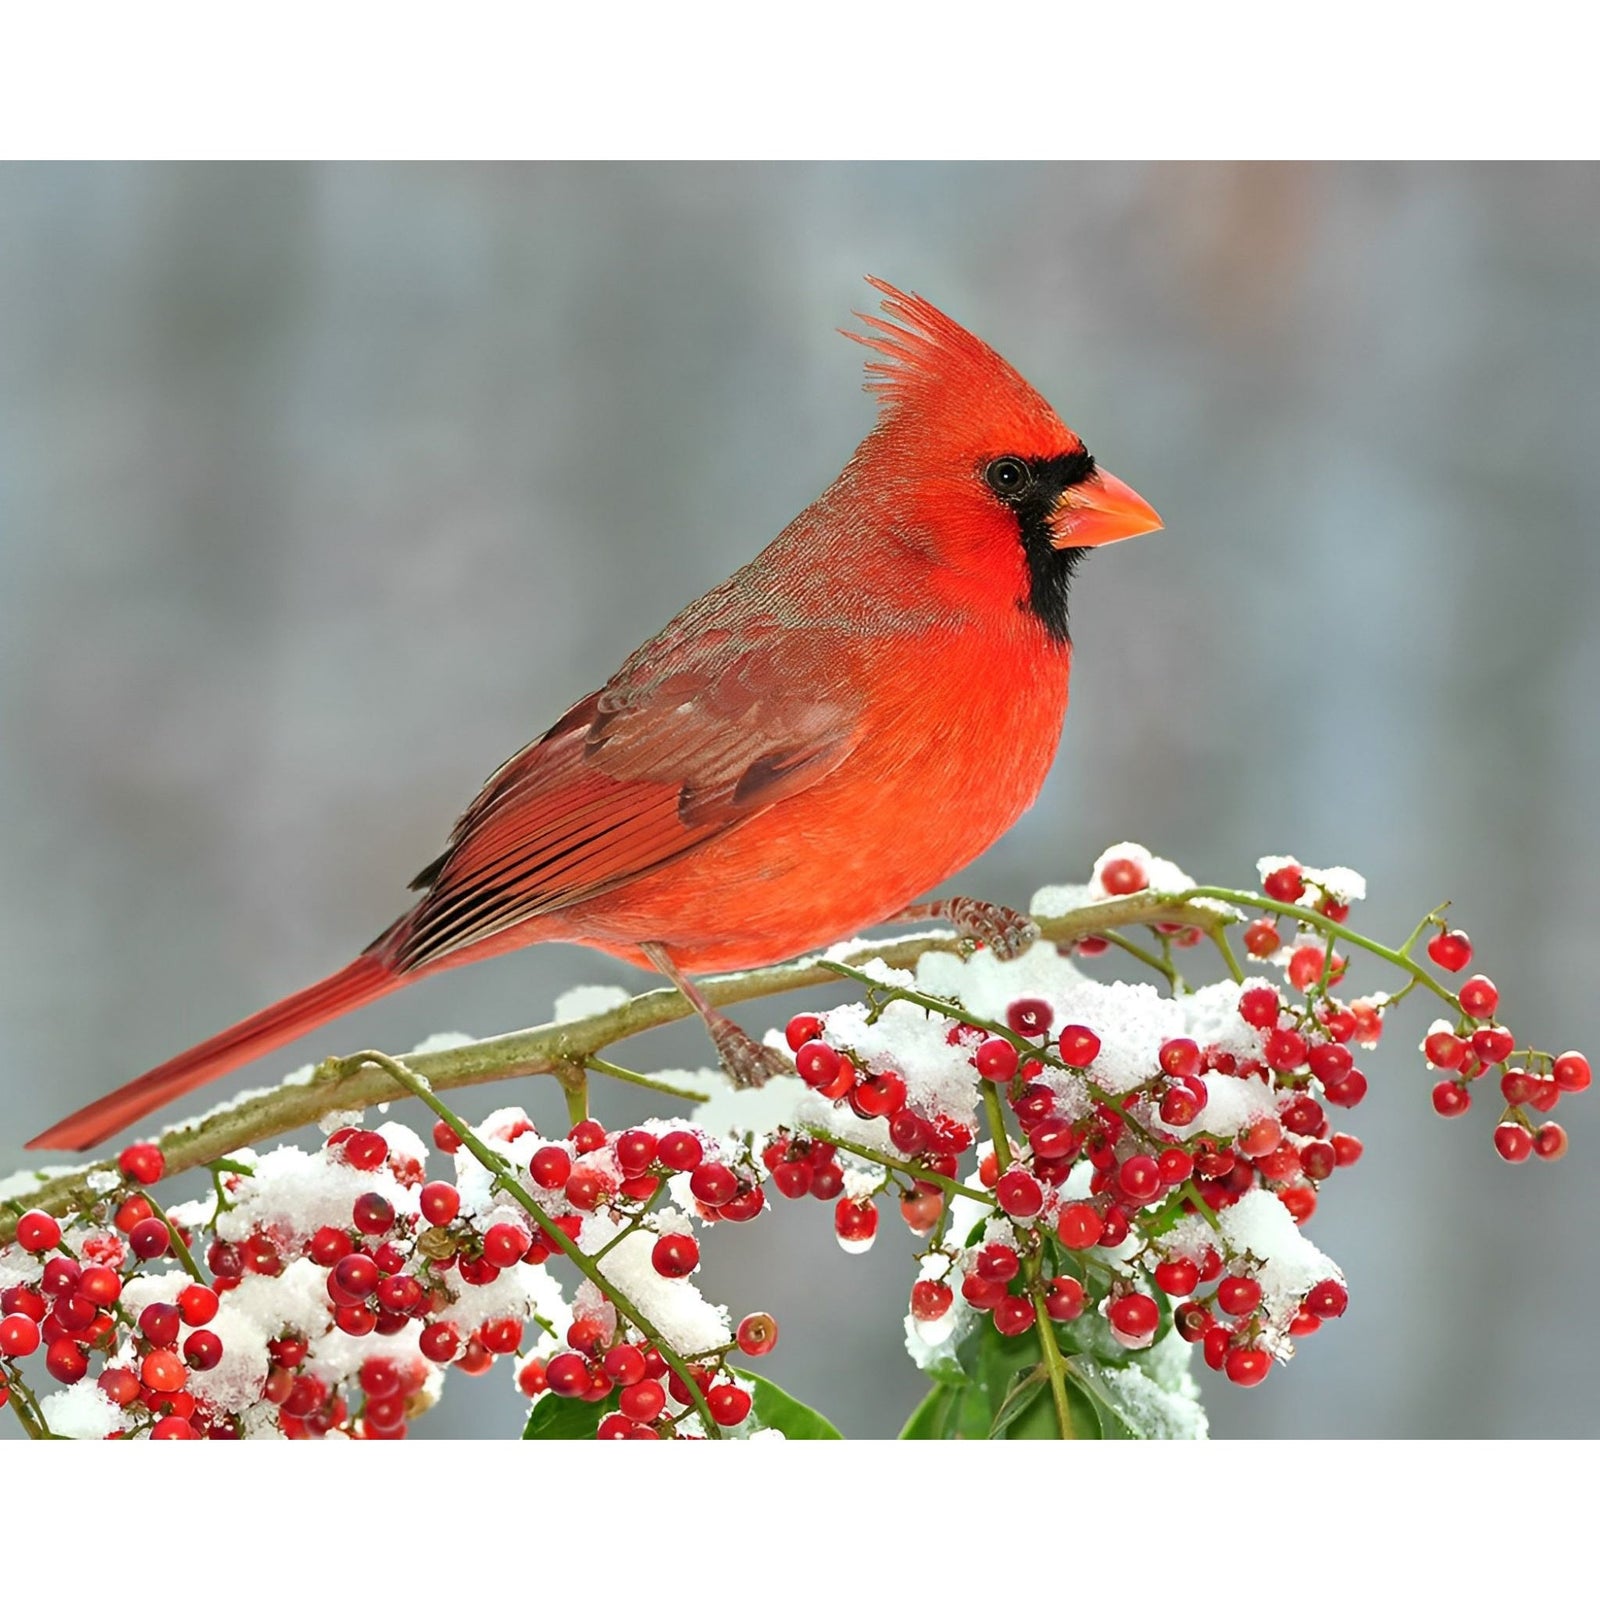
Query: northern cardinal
x: 797, y: 755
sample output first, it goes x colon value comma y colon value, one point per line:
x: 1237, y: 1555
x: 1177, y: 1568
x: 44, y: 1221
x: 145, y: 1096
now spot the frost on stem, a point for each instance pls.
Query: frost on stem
x: 1097, y: 1175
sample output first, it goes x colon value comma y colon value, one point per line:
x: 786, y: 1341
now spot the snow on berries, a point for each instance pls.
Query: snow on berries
x: 1092, y: 1175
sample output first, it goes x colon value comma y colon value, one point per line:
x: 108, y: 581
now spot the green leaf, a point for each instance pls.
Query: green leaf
x: 555, y: 1416
x: 934, y: 1418
x: 1001, y: 1390
x: 777, y: 1408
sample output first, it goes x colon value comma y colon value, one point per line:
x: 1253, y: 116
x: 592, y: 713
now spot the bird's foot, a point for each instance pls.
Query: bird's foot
x: 748, y: 1063
x: 1006, y: 932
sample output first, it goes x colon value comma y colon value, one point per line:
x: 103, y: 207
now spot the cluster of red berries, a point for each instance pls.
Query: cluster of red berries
x: 1463, y: 1049
x: 651, y: 1399
x: 1129, y: 1179
x: 1143, y: 1171
x: 403, y: 1261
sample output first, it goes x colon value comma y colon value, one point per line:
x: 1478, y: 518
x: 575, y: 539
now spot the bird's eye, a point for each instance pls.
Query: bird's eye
x: 1008, y: 476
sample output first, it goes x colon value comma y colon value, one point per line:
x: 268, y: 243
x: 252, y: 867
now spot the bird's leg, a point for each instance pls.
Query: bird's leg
x: 746, y: 1062
x: 1008, y: 933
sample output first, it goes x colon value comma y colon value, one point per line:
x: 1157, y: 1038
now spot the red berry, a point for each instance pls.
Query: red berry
x: 1479, y: 997
x: 757, y: 1334
x: 1259, y: 1138
x: 1261, y: 938
x: 1175, y: 1166
x: 505, y: 1244
x: 162, y: 1371
x: 881, y: 1095
x: 675, y: 1255
x: 587, y: 1136
x: 202, y: 1350
x: 1452, y: 951
x: 1019, y: 1194
x: 802, y: 1030
x: 365, y: 1149
x: 1306, y: 966
x: 998, y: 1263
x: 1078, y: 1045
x: 1285, y: 884
x: 1029, y: 1017
x: 1349, y: 1091
x: 1493, y: 1045
x: 729, y: 1406
x: 440, y: 1203
x: 38, y: 1231
x: 1177, y: 1277
x: 119, y: 1386
x: 855, y: 1222
x: 930, y: 1300
x: 1259, y: 1006
x: 150, y: 1238
x: 439, y: 1341
x: 1133, y: 1319
x: 1445, y: 1051
x: 585, y: 1188
x: 643, y: 1401
x: 1139, y: 1178
x: 996, y: 1060
x: 19, y: 1337
x: 445, y: 1138
x: 1179, y: 1107
x: 353, y: 1278
x: 1248, y: 1367
x: 1079, y: 1226
x: 1318, y: 1159
x: 567, y: 1375
x: 1121, y: 875
x: 1238, y: 1297
x: 827, y: 1181
x: 1550, y: 1142
x: 1327, y: 1299
x: 144, y: 1163
x: 714, y: 1183
x: 1063, y: 1299
x: 680, y: 1150
x: 550, y: 1167
x: 635, y: 1151
x: 197, y: 1304
x: 1329, y: 1062
x: 1179, y: 1058
x: 1571, y: 1072
x: 818, y: 1064
x: 1014, y: 1315
x: 1451, y: 1099
x: 1346, y: 1149
x: 372, y: 1214
x: 65, y: 1361
x: 984, y: 1293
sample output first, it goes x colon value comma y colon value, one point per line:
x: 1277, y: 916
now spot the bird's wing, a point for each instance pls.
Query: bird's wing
x: 685, y: 742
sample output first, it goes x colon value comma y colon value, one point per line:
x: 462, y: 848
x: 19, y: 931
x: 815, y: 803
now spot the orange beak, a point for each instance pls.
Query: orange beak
x: 1098, y: 511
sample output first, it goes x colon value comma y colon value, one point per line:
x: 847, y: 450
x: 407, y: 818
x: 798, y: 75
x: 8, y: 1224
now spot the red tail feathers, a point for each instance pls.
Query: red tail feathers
x: 363, y: 980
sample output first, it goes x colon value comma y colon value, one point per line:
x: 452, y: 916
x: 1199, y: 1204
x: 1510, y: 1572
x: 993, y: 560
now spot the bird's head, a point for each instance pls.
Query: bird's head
x: 978, y: 466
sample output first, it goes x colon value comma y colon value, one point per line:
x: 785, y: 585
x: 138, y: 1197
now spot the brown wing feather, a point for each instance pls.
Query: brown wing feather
x: 652, y: 766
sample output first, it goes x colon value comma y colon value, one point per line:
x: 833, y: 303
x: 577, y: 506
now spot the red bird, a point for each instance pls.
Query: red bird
x: 797, y: 755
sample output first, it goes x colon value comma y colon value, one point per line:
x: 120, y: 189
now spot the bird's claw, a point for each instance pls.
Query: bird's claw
x: 748, y: 1063
x: 1006, y: 932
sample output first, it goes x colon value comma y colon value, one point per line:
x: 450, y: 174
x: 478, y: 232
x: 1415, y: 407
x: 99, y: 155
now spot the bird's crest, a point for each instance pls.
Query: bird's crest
x: 927, y: 363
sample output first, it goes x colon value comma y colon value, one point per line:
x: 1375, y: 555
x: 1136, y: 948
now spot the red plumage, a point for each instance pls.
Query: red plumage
x: 849, y: 719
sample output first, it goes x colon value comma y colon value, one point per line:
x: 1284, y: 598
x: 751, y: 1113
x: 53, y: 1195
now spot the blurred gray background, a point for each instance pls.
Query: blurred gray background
x: 323, y: 489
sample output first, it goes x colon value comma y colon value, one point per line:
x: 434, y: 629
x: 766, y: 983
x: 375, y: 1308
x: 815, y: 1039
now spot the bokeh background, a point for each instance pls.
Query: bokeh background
x: 324, y: 488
